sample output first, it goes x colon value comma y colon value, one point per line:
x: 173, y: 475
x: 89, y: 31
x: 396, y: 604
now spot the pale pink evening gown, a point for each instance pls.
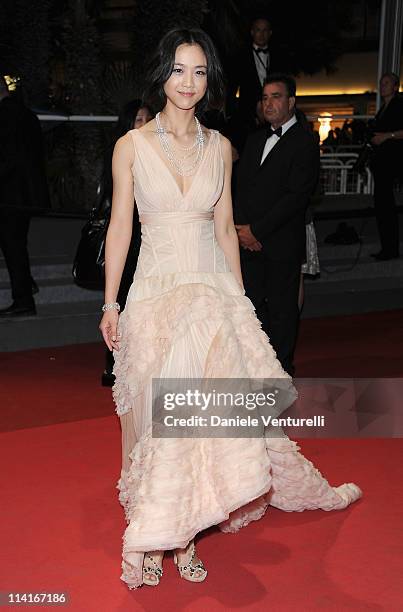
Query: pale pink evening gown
x: 187, y: 317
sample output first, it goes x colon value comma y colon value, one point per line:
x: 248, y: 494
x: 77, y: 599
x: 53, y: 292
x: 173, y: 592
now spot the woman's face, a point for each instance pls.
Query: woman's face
x: 143, y: 116
x: 388, y: 87
x: 188, y: 82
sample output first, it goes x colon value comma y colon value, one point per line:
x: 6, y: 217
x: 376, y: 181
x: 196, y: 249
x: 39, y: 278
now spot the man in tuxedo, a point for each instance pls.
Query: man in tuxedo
x: 249, y: 69
x: 277, y: 174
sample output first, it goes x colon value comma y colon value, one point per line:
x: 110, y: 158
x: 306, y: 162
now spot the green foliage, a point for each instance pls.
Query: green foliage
x: 25, y: 46
x: 83, y: 96
x: 118, y: 85
x: 82, y: 61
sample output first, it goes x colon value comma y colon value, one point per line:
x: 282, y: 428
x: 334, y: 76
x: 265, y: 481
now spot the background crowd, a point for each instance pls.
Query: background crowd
x: 24, y: 191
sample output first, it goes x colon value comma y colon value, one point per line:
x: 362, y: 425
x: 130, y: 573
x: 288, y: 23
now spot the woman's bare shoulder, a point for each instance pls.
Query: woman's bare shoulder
x: 149, y: 128
x: 124, y: 142
x: 226, y: 148
x: 225, y: 143
x: 124, y: 149
x: 209, y: 133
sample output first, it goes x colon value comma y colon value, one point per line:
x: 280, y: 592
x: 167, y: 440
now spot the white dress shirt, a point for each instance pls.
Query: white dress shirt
x: 273, y: 140
x: 262, y: 61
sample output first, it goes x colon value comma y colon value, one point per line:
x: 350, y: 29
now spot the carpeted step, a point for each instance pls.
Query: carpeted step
x: 55, y: 324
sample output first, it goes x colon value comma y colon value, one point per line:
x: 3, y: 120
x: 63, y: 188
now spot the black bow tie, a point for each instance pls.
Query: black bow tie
x: 260, y: 50
x: 271, y: 132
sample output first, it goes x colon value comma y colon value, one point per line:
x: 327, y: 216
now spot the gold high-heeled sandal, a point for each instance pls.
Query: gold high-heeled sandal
x: 151, y: 569
x: 189, y: 570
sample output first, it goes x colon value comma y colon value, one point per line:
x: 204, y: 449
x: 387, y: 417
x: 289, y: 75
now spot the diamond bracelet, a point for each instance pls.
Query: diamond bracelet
x: 112, y: 306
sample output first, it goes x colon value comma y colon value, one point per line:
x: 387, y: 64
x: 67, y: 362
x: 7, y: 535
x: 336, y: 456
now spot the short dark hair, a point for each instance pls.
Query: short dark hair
x: 392, y: 75
x: 162, y: 63
x: 260, y: 18
x: 281, y: 77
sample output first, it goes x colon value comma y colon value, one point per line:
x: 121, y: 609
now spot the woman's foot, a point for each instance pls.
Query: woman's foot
x: 189, y: 565
x: 152, y: 567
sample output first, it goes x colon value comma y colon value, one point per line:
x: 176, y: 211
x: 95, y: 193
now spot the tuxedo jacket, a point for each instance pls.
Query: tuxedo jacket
x: 390, y: 119
x: 243, y: 74
x: 23, y: 183
x: 272, y: 197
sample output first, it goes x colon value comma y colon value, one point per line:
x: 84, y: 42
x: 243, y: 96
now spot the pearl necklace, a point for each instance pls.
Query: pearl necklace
x: 178, y: 163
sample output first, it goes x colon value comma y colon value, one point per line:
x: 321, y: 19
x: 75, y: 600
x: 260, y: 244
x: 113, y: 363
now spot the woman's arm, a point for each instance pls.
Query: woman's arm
x: 381, y: 137
x: 119, y: 233
x: 224, y: 228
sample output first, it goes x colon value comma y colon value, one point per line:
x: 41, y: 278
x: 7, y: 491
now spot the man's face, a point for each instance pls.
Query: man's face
x: 261, y: 32
x: 278, y: 107
x: 388, y: 87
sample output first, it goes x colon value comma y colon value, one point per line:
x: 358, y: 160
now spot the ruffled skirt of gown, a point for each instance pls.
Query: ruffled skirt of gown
x: 192, y: 325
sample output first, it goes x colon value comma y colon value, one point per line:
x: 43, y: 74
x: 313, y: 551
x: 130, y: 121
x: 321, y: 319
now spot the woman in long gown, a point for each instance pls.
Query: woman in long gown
x: 186, y: 316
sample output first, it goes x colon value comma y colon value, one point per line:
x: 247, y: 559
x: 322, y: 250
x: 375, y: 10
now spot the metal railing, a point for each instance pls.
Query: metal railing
x: 338, y: 177
x: 75, y: 148
x: 76, y: 144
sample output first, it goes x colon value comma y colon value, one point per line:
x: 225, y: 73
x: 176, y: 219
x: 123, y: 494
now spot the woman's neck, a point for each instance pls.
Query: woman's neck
x: 178, y: 121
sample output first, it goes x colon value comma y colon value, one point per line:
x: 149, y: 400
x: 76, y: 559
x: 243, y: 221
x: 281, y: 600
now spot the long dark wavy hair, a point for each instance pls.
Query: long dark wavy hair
x: 162, y: 63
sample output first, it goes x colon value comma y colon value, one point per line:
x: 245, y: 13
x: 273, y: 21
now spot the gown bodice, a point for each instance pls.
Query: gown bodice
x: 177, y: 230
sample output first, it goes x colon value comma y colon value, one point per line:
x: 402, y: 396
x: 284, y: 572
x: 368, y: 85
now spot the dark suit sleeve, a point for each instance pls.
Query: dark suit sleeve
x: 241, y: 184
x: 8, y: 149
x: 391, y: 119
x: 301, y: 181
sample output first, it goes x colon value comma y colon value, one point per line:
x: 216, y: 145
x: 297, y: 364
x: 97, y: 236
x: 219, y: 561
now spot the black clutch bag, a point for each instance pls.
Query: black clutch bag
x: 89, y: 262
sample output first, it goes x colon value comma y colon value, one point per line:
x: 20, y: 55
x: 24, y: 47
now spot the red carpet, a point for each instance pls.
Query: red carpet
x: 367, y: 345
x: 62, y: 529
x: 56, y: 385
x: 62, y: 526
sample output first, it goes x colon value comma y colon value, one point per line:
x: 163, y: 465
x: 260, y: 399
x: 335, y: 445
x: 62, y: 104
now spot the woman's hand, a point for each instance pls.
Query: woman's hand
x: 379, y: 138
x: 118, y: 235
x: 109, y: 329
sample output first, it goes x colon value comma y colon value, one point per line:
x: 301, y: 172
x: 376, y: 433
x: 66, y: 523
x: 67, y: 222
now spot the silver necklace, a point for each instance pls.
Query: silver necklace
x: 178, y: 163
